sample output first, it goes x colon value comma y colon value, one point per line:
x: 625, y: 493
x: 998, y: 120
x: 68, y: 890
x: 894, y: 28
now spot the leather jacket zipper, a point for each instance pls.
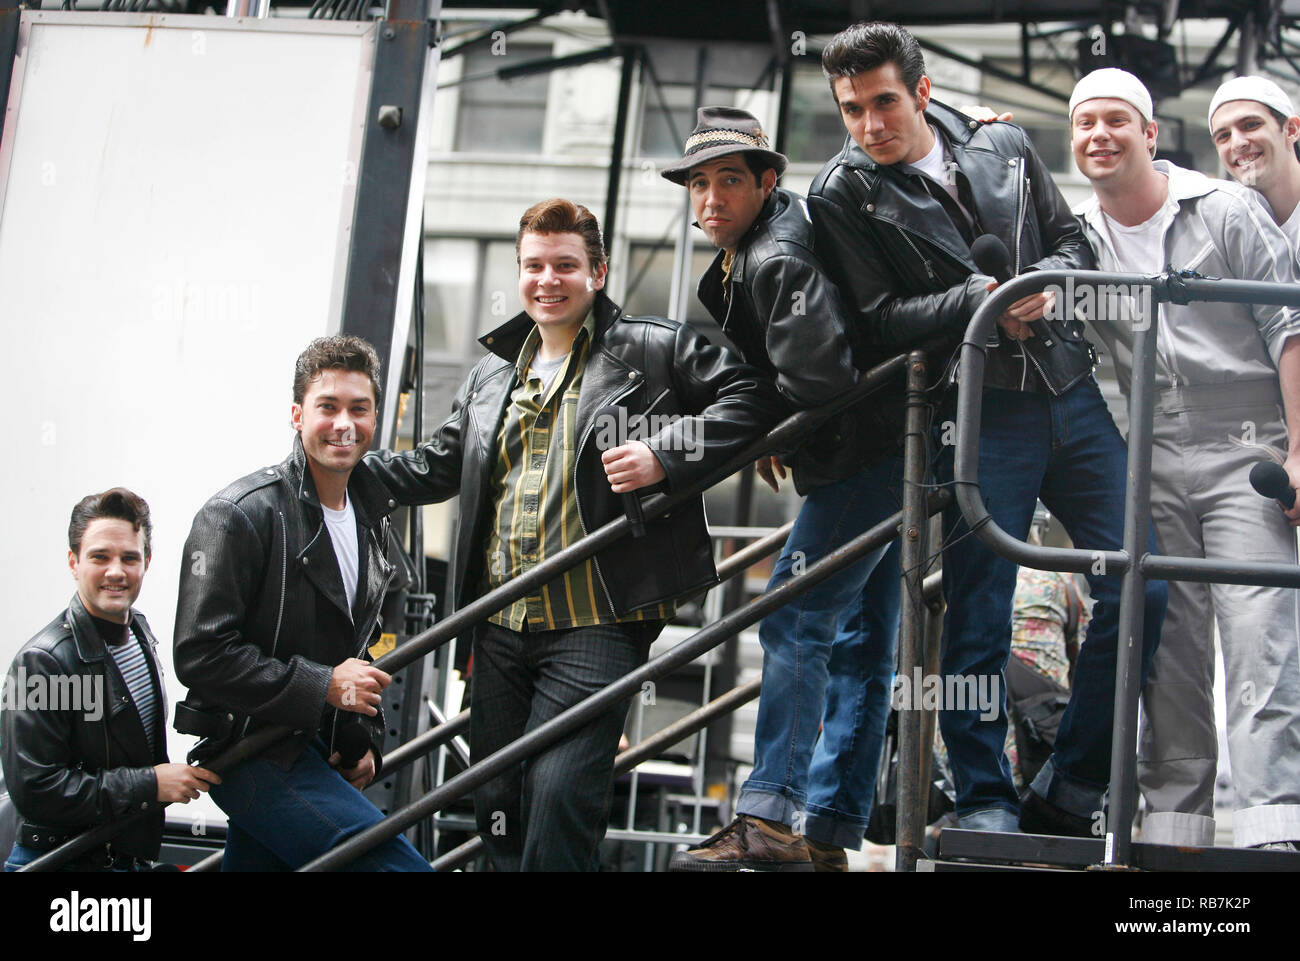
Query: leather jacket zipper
x: 929, y: 268
x: 582, y: 522
x: 279, y: 617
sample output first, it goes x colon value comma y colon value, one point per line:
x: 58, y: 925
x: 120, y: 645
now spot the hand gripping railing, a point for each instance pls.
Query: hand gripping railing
x: 784, y: 436
x: 1132, y: 560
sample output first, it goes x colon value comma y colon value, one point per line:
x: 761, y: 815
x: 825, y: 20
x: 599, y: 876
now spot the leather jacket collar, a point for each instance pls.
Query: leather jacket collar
x: 369, y: 497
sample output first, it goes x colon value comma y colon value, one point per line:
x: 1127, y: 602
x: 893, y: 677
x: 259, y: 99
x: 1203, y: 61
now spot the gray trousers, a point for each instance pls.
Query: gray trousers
x: 1203, y: 506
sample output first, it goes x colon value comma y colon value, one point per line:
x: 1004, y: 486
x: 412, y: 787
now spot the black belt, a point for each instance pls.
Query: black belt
x: 101, y: 858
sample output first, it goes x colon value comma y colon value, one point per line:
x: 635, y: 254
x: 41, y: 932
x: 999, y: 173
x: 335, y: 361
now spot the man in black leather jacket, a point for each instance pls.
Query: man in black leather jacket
x: 828, y: 654
x: 681, y: 407
x: 284, y: 575
x: 895, y: 215
x: 83, y: 730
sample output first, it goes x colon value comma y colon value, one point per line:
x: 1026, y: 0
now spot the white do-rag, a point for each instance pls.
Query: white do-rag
x: 1112, y: 83
x: 1260, y: 89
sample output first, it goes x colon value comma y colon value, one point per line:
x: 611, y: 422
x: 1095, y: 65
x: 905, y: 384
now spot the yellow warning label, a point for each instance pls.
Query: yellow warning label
x: 382, y: 646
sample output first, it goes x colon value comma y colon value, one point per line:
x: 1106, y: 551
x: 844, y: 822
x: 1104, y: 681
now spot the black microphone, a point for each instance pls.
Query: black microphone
x: 991, y: 257
x: 631, y: 502
x: 352, y: 743
x: 1271, y: 480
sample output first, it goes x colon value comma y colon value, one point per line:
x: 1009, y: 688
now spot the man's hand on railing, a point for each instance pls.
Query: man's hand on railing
x: 356, y: 686
x: 631, y: 467
x: 1015, y: 319
x: 770, y: 467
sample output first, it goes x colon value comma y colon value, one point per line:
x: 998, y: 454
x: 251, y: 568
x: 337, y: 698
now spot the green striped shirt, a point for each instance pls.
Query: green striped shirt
x: 534, y: 502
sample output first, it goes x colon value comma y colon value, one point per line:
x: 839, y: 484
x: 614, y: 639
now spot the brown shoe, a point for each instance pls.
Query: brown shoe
x: 747, y: 844
x: 827, y: 857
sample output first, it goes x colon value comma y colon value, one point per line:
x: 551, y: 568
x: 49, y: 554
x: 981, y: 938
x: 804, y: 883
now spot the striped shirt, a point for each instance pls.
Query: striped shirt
x: 534, y: 503
x: 133, y: 664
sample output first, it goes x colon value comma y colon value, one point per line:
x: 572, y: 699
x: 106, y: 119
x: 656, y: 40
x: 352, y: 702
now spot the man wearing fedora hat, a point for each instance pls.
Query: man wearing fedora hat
x: 827, y: 655
x: 1257, y: 133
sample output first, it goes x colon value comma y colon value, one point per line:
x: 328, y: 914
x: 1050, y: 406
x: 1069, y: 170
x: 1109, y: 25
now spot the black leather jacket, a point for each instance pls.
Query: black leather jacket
x: 907, y: 274
x: 786, y: 318
x: 646, y: 365
x: 68, y: 770
x: 262, y: 617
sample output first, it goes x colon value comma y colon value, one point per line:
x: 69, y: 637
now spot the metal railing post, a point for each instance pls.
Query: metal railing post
x: 910, y: 817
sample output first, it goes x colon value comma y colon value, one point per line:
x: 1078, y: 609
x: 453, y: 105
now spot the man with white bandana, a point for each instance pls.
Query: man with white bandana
x: 1227, y: 395
x: 1255, y: 129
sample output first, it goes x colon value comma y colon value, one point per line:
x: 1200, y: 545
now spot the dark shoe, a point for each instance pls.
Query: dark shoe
x: 827, y: 857
x: 747, y: 844
x: 1040, y: 816
x: 1293, y: 846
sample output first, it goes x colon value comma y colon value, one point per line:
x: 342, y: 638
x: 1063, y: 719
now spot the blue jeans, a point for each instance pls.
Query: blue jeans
x: 1067, y: 452
x: 549, y: 812
x: 828, y: 660
x: 279, y: 820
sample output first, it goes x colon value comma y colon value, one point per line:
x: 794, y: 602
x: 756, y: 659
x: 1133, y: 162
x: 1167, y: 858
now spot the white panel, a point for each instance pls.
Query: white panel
x: 176, y: 193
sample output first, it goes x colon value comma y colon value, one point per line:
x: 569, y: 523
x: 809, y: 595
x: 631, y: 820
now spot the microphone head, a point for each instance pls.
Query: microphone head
x: 352, y: 742
x: 991, y: 257
x: 1270, y: 480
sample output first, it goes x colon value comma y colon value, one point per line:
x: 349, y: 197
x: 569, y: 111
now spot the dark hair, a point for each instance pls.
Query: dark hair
x: 117, y: 503
x: 1281, y: 122
x: 557, y: 216
x: 866, y: 46
x: 340, y: 352
x: 758, y: 164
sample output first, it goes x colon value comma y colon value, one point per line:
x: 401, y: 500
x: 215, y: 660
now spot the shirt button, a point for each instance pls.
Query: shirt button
x: 488, y: 340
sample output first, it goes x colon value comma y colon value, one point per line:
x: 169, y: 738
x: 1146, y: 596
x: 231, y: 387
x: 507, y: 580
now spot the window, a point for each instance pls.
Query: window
x: 504, y: 117
x: 816, y: 131
x: 660, y: 135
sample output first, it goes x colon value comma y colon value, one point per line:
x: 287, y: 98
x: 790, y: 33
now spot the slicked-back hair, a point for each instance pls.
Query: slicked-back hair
x: 117, y: 503
x: 559, y: 216
x: 339, y: 352
x: 865, y: 46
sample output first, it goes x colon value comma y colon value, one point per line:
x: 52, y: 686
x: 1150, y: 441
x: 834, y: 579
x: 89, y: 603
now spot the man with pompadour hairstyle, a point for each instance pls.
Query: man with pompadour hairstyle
x: 567, y: 377
x: 896, y: 214
x: 285, y: 572
x: 83, y: 716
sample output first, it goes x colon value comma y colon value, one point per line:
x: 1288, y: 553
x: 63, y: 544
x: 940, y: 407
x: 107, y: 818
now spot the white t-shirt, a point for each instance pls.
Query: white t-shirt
x: 342, y: 526
x: 1140, y: 249
x: 937, y: 166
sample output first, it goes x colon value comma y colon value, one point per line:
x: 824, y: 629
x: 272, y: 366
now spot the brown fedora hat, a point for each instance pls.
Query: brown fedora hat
x: 720, y: 131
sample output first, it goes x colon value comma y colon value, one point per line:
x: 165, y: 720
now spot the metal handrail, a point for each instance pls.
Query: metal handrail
x: 628, y: 685
x: 782, y: 437
x: 1132, y: 561
x: 435, y: 737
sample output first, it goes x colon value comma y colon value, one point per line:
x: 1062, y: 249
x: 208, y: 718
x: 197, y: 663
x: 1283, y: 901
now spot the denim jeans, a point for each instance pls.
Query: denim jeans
x: 1067, y: 452
x: 279, y: 820
x: 550, y: 812
x: 828, y: 659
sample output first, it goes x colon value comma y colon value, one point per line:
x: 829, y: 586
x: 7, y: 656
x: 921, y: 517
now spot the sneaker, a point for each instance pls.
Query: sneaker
x: 1040, y: 816
x: 747, y: 844
x: 827, y: 857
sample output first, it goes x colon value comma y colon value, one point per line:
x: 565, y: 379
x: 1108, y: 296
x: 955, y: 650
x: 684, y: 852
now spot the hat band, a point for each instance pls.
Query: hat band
x: 711, y: 137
